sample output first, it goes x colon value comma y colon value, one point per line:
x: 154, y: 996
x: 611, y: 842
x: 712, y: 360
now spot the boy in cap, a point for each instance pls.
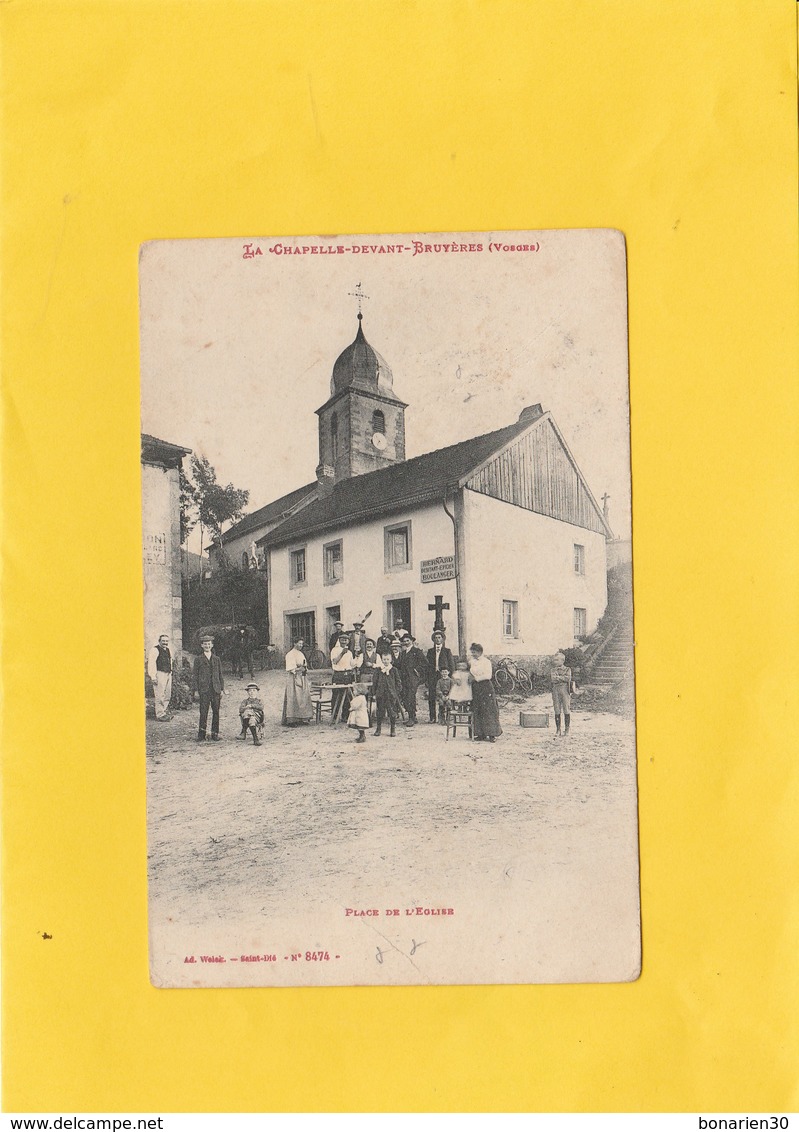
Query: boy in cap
x: 208, y: 682
x: 251, y: 711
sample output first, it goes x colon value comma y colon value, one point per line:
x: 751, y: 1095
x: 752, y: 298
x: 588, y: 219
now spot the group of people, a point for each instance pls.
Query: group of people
x: 388, y: 673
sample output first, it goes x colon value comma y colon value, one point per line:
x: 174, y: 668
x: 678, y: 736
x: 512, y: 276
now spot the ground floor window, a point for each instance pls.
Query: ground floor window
x: 301, y: 625
x: 510, y: 618
x: 580, y: 622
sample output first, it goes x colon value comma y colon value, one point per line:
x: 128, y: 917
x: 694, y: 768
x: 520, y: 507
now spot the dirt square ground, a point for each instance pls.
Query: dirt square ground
x: 533, y: 838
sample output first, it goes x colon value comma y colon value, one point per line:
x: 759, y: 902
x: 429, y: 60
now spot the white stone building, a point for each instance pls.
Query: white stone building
x: 502, y: 529
x: 160, y: 467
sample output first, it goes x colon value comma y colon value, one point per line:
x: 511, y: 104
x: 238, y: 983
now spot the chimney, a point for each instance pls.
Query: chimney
x: 530, y: 413
x: 326, y: 478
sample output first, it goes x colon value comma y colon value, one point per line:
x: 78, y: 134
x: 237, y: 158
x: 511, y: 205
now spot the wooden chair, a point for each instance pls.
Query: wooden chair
x: 322, y: 699
x: 460, y: 715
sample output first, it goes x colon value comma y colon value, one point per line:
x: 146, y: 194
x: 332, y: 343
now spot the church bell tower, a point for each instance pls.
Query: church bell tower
x: 362, y: 424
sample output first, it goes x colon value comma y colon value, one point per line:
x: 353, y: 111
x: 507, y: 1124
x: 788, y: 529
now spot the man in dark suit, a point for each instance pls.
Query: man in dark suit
x: 384, y: 641
x: 413, y: 670
x: 439, y: 659
x: 209, y: 683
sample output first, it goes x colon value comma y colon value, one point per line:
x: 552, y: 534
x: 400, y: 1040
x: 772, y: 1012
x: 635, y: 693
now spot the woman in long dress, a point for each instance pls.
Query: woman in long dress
x: 484, y: 701
x: 297, y: 706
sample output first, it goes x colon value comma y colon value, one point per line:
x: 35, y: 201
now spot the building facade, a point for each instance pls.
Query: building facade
x: 160, y: 469
x: 499, y: 537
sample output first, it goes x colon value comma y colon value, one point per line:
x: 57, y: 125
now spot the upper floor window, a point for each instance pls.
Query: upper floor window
x: 297, y: 573
x: 579, y: 559
x: 580, y: 625
x: 333, y: 562
x: 398, y: 547
x: 334, y: 437
x: 378, y: 421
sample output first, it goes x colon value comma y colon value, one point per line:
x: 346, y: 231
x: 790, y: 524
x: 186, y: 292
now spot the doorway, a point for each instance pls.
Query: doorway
x: 398, y: 609
x: 333, y: 613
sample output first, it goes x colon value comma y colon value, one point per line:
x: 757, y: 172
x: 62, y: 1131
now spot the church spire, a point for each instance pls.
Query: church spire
x: 362, y: 425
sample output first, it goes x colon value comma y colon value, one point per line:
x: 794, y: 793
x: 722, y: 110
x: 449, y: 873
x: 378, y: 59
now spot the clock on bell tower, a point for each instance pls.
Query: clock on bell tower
x: 362, y: 424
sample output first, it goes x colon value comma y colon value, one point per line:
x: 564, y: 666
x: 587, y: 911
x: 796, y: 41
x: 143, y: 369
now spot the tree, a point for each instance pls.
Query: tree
x: 188, y: 506
x: 216, y: 503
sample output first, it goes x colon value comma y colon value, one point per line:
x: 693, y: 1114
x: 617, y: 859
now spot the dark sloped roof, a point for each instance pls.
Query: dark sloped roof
x: 155, y: 451
x: 392, y: 489
x: 271, y: 513
x: 359, y: 366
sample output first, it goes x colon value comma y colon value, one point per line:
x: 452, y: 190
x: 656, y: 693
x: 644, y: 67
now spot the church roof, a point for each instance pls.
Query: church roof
x: 271, y: 513
x: 360, y: 366
x: 388, y: 490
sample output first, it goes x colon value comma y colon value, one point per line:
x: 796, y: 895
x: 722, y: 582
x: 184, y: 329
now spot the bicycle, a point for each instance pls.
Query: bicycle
x: 271, y: 658
x: 316, y: 660
x: 509, y: 676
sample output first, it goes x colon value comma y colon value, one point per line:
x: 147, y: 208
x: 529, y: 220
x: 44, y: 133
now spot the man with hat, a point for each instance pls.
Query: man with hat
x: 345, y: 666
x: 209, y: 683
x: 384, y: 641
x: 251, y: 711
x: 439, y: 659
x: 159, y: 669
x: 358, y: 639
x: 413, y: 670
x: 338, y: 628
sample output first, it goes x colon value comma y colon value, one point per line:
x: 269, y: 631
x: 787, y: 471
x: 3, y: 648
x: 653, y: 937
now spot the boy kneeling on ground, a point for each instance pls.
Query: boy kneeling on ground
x: 251, y: 711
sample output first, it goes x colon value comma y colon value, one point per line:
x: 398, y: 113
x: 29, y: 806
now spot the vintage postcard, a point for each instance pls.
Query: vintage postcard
x: 388, y: 610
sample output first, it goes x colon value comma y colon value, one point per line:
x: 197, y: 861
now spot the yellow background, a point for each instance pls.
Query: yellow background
x: 673, y: 121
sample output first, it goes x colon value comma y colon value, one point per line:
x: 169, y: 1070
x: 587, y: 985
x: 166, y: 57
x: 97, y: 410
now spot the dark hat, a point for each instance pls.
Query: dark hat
x: 252, y: 684
x: 206, y: 637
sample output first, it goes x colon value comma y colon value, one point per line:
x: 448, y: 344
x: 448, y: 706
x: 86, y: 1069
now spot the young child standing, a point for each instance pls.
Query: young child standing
x: 562, y: 688
x: 251, y: 711
x: 359, y: 712
x: 443, y: 689
x: 388, y: 693
x: 461, y: 690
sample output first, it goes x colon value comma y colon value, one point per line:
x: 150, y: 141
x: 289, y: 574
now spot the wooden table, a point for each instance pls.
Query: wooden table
x: 337, y: 712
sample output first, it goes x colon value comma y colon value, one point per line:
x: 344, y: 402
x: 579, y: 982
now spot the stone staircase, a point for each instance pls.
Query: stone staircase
x: 616, y: 661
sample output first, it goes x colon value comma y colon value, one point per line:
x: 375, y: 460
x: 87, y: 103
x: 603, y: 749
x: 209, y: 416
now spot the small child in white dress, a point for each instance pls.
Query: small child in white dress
x: 358, y: 717
x: 461, y: 690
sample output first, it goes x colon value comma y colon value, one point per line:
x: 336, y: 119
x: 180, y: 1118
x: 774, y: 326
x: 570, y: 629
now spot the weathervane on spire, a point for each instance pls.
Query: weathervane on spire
x: 359, y: 295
